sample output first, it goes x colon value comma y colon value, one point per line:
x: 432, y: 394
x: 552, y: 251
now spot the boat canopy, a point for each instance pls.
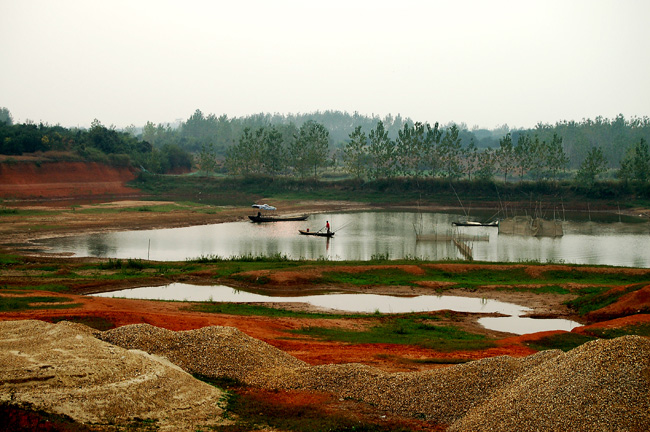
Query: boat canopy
x: 263, y: 207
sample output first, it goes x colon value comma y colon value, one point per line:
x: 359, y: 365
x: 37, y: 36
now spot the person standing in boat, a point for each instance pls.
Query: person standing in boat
x: 327, y: 225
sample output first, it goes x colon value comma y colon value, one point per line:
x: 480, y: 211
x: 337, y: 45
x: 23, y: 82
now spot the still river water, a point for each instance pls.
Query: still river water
x: 364, y: 235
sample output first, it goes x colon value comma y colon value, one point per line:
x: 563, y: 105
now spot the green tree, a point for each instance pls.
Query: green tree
x: 5, y: 116
x: 450, y: 153
x: 523, y: 151
x: 355, y: 153
x: 104, y: 139
x: 381, y: 152
x: 178, y: 160
x: 486, y: 164
x: 431, y: 157
x: 246, y: 157
x: 594, y: 165
x: 538, y: 156
x: 636, y: 163
x: 556, y: 159
x: 310, y: 148
x: 471, y: 159
x: 506, y: 157
x: 207, y: 159
x: 274, y: 154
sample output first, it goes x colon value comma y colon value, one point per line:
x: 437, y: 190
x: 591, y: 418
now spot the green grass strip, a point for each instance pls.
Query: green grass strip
x: 561, y: 341
x: 642, y: 329
x: 13, y: 304
x: 255, y: 310
x: 404, y: 331
x: 594, y: 298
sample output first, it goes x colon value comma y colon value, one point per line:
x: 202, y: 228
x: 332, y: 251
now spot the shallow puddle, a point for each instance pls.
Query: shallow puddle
x: 363, y: 303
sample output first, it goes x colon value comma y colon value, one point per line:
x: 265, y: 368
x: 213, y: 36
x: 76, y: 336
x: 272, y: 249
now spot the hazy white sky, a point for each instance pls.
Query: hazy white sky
x: 480, y: 62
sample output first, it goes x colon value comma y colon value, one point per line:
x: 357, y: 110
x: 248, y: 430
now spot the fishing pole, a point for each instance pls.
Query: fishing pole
x: 343, y: 226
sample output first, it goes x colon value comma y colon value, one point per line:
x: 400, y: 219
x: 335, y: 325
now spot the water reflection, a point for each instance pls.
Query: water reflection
x: 365, y: 303
x: 367, y: 235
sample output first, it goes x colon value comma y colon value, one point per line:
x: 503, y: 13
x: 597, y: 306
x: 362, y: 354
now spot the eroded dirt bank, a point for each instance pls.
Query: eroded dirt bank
x: 46, y: 180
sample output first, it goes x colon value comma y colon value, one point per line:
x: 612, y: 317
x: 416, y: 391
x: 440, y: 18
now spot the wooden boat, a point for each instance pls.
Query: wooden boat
x: 317, y: 233
x: 262, y: 218
x: 473, y: 224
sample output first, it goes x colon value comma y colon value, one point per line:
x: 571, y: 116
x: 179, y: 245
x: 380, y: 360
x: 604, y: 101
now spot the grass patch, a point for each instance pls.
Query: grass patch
x: 404, y: 330
x: 43, y: 227
x: 6, y: 260
x: 578, y: 275
x: 117, y: 264
x: 561, y: 341
x: 371, y: 277
x: 27, y: 212
x: 544, y: 289
x: 611, y: 333
x: 508, y: 279
x: 13, y: 304
x: 277, y: 257
x: 255, y: 310
x: 97, y: 323
x: 593, y: 298
x: 46, y: 287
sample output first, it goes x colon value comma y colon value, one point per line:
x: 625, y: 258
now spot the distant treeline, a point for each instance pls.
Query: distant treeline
x: 362, y: 147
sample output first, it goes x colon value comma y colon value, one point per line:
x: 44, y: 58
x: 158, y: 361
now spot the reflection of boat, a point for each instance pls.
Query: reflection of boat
x: 265, y: 218
x: 317, y: 233
x: 474, y: 223
x: 261, y: 218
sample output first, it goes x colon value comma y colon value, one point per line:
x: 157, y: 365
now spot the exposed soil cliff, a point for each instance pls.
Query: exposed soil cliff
x: 25, y: 179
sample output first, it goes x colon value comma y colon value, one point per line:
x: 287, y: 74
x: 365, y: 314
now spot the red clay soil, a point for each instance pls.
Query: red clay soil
x: 52, y: 180
x: 274, y: 331
x: 631, y: 303
x: 622, y: 322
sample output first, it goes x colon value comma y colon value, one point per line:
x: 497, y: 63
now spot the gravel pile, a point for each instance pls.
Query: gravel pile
x: 57, y: 369
x: 602, y: 385
x: 211, y: 351
x: 443, y: 395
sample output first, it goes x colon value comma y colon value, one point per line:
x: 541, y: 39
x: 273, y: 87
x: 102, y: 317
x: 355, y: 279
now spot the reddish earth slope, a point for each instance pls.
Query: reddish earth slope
x: 51, y: 180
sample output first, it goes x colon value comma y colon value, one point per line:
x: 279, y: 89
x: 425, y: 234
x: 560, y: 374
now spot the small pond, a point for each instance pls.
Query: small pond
x: 363, y: 303
x: 367, y: 235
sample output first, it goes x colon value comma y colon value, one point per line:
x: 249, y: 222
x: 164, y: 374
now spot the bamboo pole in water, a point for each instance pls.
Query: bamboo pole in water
x: 464, y: 249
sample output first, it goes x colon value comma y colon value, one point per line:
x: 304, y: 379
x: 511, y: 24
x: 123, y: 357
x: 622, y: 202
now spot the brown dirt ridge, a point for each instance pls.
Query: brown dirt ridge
x: 69, y: 180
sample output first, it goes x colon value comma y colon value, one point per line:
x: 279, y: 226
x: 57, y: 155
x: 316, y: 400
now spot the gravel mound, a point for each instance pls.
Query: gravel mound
x: 211, y: 351
x: 58, y: 369
x: 443, y: 395
x: 600, y: 386
x: 603, y: 385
